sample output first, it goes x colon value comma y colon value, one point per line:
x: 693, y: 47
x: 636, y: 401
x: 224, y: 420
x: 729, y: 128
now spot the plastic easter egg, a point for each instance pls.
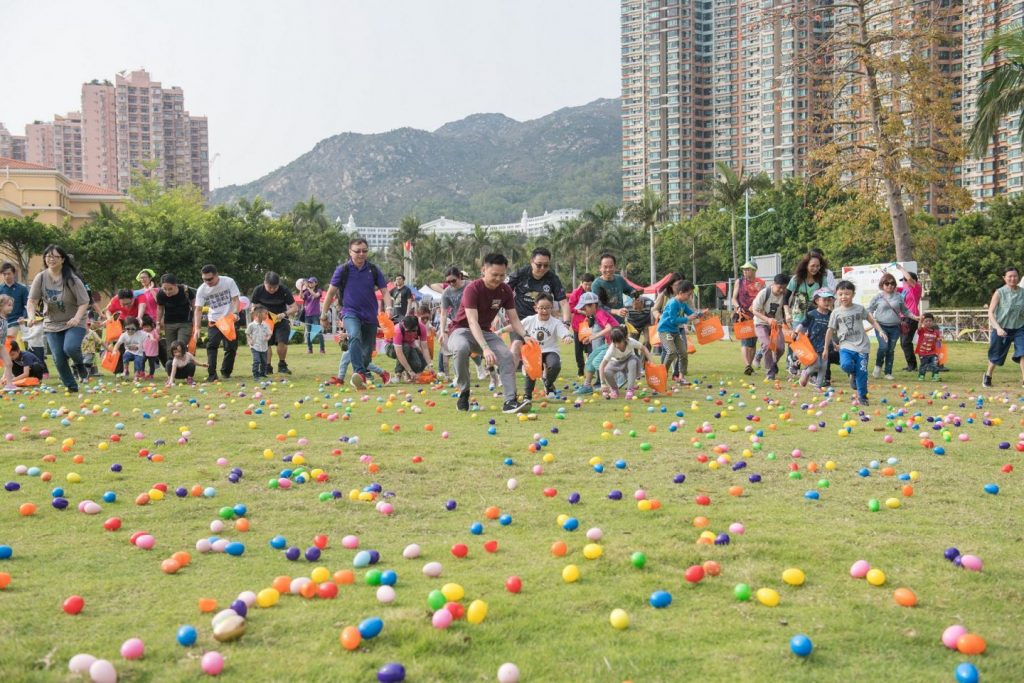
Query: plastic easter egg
x: 432, y: 569
x: 660, y: 599
x: 513, y: 584
x: 80, y: 663
x: 385, y: 594
x: 102, y: 671
x: 392, y: 672
x: 876, y: 577
x: 441, y: 619
x: 508, y: 673
x: 350, y: 638
x: 971, y: 562
x: 411, y: 552
x: 768, y: 597
x: 638, y: 559
x: 694, y: 573
x: 268, y: 597
x: 742, y: 592
x: 970, y: 644
x: 186, y: 636
x: 231, y: 627
x: 801, y: 645
x: 793, y: 577
x: 592, y: 551
x: 74, y: 604
x: 570, y: 573
x: 860, y: 569
x: 966, y: 672
x: 904, y: 597
x: 619, y: 619
x: 370, y: 627
x: 212, y: 663
x: 453, y: 592
x: 476, y: 612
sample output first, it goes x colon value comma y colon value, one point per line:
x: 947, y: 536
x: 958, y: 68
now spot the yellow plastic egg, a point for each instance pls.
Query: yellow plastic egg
x: 477, y: 612
x: 793, y: 577
x: 571, y: 573
x: 876, y: 577
x: 769, y: 597
x: 267, y: 597
x: 619, y: 619
x: 453, y: 592
x: 592, y: 551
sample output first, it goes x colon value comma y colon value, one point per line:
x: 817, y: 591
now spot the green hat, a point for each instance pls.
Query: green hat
x: 148, y: 271
x: 748, y: 264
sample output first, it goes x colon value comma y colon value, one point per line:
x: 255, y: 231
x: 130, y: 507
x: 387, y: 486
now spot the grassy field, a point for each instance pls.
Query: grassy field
x: 553, y: 630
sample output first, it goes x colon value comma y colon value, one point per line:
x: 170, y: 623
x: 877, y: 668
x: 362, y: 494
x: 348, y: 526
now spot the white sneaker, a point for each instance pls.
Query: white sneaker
x: 877, y: 372
x: 481, y: 372
x: 890, y: 377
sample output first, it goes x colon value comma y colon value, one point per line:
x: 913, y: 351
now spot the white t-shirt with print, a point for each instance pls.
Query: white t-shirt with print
x: 616, y: 354
x: 217, y: 297
x: 548, y: 333
x: 132, y: 343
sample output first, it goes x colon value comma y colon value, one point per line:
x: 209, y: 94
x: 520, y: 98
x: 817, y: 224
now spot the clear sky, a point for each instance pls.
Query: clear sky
x: 276, y: 77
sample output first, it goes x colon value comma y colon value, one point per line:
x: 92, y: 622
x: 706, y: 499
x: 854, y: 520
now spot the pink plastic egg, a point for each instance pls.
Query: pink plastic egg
x: 133, y: 648
x: 952, y: 634
x: 212, y: 663
x: 860, y: 569
x: 972, y: 562
x: 351, y: 542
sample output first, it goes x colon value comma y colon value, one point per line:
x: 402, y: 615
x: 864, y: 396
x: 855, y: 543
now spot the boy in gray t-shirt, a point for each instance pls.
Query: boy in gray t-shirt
x: 847, y: 327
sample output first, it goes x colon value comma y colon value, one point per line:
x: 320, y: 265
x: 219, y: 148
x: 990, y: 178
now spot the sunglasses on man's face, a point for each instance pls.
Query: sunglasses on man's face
x: 360, y: 251
x: 452, y: 281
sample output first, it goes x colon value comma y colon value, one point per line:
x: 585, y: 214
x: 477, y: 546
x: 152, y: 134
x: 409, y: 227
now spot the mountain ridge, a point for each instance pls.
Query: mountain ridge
x: 485, y: 167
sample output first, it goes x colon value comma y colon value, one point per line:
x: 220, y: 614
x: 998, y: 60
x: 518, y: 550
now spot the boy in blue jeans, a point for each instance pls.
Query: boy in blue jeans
x: 846, y: 326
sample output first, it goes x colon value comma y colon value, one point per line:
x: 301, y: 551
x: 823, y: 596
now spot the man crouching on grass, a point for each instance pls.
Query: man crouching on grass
x: 470, y: 332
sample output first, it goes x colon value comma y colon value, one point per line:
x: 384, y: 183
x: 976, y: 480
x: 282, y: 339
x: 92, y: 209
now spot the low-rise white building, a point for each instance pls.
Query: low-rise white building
x: 378, y: 238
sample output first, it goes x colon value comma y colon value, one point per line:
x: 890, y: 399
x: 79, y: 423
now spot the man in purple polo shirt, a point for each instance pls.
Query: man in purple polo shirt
x: 355, y: 283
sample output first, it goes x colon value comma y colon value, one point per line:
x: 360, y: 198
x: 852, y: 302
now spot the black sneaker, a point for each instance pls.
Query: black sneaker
x: 749, y: 370
x: 864, y: 402
x: 986, y: 380
x: 282, y: 368
x: 514, y: 405
x: 463, y: 404
x: 853, y: 381
x: 270, y: 369
x: 211, y: 378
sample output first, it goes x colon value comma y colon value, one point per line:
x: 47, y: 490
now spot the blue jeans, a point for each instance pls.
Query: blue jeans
x: 856, y: 364
x: 887, y: 349
x: 361, y: 339
x: 311, y: 320
x: 64, y: 345
x: 137, y: 358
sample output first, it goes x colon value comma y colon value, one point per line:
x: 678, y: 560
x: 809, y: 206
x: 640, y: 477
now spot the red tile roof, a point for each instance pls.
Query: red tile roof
x: 7, y: 162
x: 78, y: 187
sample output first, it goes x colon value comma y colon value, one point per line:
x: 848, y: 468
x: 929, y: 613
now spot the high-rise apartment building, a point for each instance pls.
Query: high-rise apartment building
x: 57, y: 144
x: 124, y: 127
x: 999, y: 172
x: 154, y: 126
x: 747, y: 83
x: 99, y: 133
x: 708, y: 81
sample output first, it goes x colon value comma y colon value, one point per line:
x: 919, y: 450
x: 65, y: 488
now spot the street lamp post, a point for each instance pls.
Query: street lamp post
x: 746, y: 219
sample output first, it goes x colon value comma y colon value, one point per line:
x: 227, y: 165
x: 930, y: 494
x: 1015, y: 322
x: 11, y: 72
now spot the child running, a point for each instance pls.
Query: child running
x: 548, y: 331
x: 622, y: 357
x: 847, y: 327
x: 257, y: 336
x: 929, y: 341
x: 150, y: 346
x: 769, y: 308
x: 815, y: 326
x: 130, y: 344
x: 601, y: 323
x: 672, y: 329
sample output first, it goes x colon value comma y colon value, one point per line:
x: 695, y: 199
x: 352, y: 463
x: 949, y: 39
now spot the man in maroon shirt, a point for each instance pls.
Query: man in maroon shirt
x: 470, y: 332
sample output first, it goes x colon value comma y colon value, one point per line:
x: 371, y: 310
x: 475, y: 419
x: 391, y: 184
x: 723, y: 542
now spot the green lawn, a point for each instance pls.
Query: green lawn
x: 552, y: 630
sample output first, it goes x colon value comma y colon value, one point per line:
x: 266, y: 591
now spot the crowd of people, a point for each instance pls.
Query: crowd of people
x: 802, y: 324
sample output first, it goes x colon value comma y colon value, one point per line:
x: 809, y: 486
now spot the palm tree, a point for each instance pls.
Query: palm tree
x: 1002, y: 89
x: 647, y: 213
x: 479, y: 242
x: 594, y: 222
x: 621, y: 241
x: 728, y: 189
x: 452, y: 248
x: 564, y: 245
x: 310, y: 215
